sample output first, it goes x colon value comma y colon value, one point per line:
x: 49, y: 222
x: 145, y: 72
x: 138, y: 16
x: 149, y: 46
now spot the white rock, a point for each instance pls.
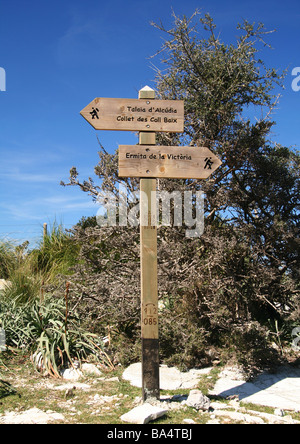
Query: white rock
x: 213, y: 422
x: 170, y: 377
x: 218, y: 406
x: 188, y: 421
x: 237, y: 416
x: 280, y: 390
x: 197, y: 400
x: 31, y: 416
x: 70, y: 374
x: 53, y: 416
x: 290, y: 420
x: 233, y: 373
x: 90, y: 369
x: 143, y: 414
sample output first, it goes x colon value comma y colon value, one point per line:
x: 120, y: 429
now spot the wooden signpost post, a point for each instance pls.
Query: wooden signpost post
x: 149, y: 294
x: 149, y: 162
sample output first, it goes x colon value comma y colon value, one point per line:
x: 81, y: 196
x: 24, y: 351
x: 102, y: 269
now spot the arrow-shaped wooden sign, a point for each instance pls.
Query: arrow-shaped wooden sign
x: 135, y: 115
x: 177, y: 162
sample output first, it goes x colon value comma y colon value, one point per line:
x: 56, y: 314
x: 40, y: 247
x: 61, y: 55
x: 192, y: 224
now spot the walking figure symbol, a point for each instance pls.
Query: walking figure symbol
x: 94, y: 113
x: 208, y: 164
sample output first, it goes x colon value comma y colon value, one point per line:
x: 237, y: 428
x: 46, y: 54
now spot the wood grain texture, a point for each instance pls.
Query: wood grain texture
x: 148, y: 236
x: 167, y: 161
x: 135, y: 114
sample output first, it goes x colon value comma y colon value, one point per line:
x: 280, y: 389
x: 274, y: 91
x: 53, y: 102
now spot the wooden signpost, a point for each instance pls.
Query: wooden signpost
x: 135, y: 114
x: 173, y: 162
x: 149, y: 162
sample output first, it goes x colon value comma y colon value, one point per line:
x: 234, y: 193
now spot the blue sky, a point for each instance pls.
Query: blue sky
x: 60, y: 55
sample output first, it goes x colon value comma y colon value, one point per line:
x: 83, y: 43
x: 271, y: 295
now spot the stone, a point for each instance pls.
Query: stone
x: 71, y: 374
x: 143, y: 414
x: 218, y: 405
x: 240, y: 417
x: 213, y: 422
x: 290, y: 420
x: 170, y: 377
x: 198, y: 401
x: 272, y: 419
x: 188, y: 421
x: 31, y: 416
x: 233, y: 373
x: 90, y: 369
x: 280, y: 390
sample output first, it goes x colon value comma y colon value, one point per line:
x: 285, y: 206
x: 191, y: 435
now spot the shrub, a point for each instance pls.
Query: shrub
x: 48, y: 329
x: 8, y: 259
x: 57, y: 253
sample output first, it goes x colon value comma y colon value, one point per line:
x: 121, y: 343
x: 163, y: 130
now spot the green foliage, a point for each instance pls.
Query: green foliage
x: 30, y: 272
x: 56, y: 253
x: 33, y: 320
x: 6, y: 388
x: 54, y: 336
x: 8, y: 260
x: 12, y: 320
x: 24, y: 285
x: 59, y: 344
x: 86, y: 222
x: 249, y: 346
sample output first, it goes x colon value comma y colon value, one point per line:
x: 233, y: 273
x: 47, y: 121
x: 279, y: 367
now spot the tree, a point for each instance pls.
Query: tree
x: 242, y: 275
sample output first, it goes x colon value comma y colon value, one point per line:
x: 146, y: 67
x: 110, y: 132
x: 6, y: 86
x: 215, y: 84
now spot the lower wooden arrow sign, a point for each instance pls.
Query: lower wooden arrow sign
x: 173, y: 162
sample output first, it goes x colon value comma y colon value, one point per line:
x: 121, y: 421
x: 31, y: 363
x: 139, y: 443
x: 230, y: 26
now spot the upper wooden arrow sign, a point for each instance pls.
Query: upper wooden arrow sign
x: 176, y: 162
x: 135, y: 115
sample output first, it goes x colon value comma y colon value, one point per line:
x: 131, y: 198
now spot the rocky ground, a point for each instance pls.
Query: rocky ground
x: 269, y: 399
x: 92, y: 395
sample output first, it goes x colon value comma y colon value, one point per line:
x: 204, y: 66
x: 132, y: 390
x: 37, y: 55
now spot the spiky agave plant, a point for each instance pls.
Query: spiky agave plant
x: 59, y: 338
x: 52, y: 334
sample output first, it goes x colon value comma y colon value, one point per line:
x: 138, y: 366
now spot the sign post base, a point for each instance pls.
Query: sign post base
x: 150, y: 369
